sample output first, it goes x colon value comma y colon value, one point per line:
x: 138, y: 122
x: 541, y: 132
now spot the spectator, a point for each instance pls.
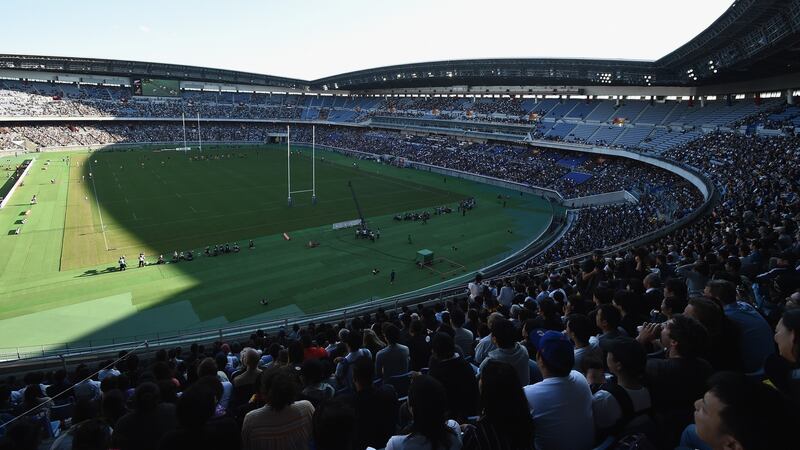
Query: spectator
x: 505, y: 422
x: 333, y: 426
x: 737, y: 412
x: 457, y: 377
x: 724, y: 350
x: 149, y: 421
x: 419, y: 345
x: 24, y: 434
x: 579, y: 330
x: 282, y: 423
x: 464, y: 338
x: 344, y: 373
x: 678, y: 379
x: 607, y: 320
x: 372, y: 342
x: 696, y: 275
x: 60, y: 386
x: 653, y: 294
x: 486, y: 344
x: 675, y: 299
x: 429, y: 429
x: 36, y: 401
x: 781, y: 369
x: 620, y: 407
x: 395, y: 358
x: 198, y: 429
x: 310, y: 348
x: 92, y: 434
x: 315, y: 389
x: 83, y: 410
x: 629, y: 305
x: 549, y: 316
x: 208, y: 368
x: 506, y: 295
x: 756, y: 336
x: 376, y: 407
x: 245, y: 384
x: 85, y: 388
x: 561, y: 404
x: 504, y: 337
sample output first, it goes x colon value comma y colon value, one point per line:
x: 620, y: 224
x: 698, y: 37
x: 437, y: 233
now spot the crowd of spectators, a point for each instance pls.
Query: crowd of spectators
x: 536, y: 167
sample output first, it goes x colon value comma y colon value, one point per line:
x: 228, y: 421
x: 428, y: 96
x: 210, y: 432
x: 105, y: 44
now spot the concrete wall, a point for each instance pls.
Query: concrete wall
x: 607, y: 198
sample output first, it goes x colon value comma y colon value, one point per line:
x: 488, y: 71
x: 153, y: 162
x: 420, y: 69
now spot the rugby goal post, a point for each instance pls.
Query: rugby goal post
x: 313, y: 189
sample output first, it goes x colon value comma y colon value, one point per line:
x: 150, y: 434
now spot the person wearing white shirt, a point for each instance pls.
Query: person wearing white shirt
x: 561, y: 404
x: 506, y: 297
x: 475, y: 287
x: 624, y: 404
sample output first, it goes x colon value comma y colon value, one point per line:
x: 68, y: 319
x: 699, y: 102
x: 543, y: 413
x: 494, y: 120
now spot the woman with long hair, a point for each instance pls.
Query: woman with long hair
x: 372, y: 342
x: 505, y: 422
x: 430, y: 429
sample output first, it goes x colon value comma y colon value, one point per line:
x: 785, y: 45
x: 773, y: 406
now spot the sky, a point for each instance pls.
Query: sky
x: 310, y: 39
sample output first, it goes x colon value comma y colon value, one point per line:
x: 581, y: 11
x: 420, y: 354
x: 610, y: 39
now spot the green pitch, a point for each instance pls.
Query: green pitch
x: 58, y: 281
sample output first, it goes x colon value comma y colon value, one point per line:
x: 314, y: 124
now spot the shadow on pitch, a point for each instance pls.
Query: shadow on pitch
x: 93, y: 272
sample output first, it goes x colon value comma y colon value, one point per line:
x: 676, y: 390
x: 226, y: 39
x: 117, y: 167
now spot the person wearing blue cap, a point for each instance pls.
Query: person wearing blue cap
x: 561, y: 404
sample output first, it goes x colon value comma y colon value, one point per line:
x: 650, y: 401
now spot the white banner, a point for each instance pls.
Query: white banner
x: 347, y: 224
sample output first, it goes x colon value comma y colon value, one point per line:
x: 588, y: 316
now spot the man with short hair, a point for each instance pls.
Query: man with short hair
x: 696, y: 275
x: 653, y: 293
x: 607, y: 320
x: 674, y: 301
x: 629, y: 307
x: 486, y: 344
x: 394, y: 358
x: 463, y: 338
x: 621, y: 405
x: 376, y: 408
x: 504, y: 336
x: 579, y: 330
x: 457, y: 377
x: 676, y: 380
x: 756, y: 335
x: 344, y: 369
x: 561, y: 404
x: 740, y: 413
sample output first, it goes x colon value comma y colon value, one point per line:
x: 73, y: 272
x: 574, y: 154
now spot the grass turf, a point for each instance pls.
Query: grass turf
x: 56, y: 271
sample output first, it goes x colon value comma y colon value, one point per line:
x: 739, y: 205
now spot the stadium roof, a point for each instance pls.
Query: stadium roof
x: 116, y: 67
x: 751, y: 39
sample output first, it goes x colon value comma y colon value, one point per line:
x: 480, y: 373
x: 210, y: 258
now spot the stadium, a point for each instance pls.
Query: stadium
x: 469, y: 253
